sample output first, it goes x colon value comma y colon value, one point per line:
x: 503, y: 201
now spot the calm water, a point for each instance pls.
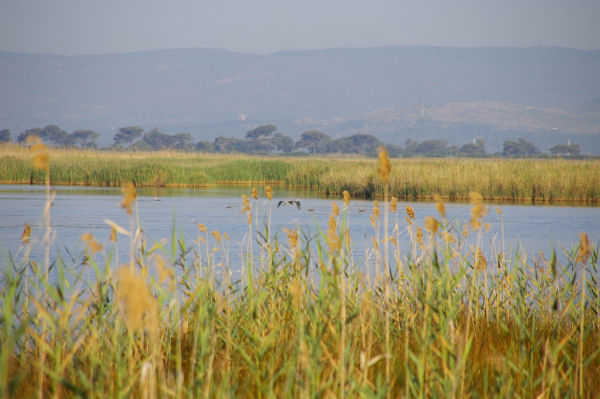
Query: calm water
x: 77, y: 210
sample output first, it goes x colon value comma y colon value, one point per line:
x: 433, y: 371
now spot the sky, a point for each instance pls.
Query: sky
x: 264, y: 26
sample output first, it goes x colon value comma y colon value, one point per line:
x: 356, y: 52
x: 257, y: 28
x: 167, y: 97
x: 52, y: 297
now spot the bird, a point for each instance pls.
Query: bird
x: 156, y: 198
x: 289, y: 202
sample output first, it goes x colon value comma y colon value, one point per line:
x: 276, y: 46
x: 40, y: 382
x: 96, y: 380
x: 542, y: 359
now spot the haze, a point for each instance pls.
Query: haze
x: 265, y: 26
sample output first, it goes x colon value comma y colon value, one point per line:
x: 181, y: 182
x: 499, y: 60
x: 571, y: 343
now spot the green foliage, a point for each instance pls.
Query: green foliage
x: 566, y: 150
x: 519, y: 149
x: 22, y: 137
x: 313, y: 141
x: 85, y: 137
x: 432, y: 148
x: 261, y: 132
x: 475, y: 149
x: 127, y: 134
x: 363, y: 144
x: 4, y: 136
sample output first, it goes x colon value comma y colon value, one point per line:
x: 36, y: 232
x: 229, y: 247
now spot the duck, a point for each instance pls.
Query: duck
x: 289, y: 202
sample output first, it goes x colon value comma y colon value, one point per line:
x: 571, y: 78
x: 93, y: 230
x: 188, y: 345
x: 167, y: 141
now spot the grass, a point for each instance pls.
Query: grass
x: 444, y: 319
x: 522, y: 180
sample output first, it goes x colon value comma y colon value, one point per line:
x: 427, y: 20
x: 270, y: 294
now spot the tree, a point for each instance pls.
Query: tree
x: 432, y: 148
x: 261, y: 132
x: 22, y: 137
x: 126, y: 135
x: 365, y: 144
x: 474, y: 149
x: 566, y: 150
x: 4, y: 136
x: 182, y: 141
x: 313, y: 141
x: 410, y: 146
x: 205, y: 146
x: 227, y: 144
x: 85, y: 137
x: 54, y: 135
x: 282, y: 143
x: 156, y: 140
x: 519, y: 149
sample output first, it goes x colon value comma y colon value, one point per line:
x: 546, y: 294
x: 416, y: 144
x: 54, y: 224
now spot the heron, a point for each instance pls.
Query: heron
x: 289, y: 202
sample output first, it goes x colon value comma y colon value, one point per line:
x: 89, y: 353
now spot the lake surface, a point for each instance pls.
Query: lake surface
x: 78, y: 210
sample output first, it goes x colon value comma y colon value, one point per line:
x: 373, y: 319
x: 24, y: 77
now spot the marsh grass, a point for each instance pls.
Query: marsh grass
x: 521, y: 180
x: 444, y: 319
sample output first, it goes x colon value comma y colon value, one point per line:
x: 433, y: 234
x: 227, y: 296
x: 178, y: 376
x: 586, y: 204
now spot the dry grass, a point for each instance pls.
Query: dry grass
x: 526, y: 180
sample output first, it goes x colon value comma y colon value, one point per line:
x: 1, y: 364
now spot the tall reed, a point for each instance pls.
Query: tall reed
x: 537, y: 181
x: 445, y: 319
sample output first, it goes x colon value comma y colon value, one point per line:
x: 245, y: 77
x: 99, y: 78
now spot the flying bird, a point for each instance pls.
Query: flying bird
x: 289, y: 202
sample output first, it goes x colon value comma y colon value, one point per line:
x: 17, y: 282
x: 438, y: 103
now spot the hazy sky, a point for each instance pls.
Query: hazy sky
x: 264, y: 26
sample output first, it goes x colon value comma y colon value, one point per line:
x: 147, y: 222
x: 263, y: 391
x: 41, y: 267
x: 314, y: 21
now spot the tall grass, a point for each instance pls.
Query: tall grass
x: 445, y: 319
x: 536, y: 181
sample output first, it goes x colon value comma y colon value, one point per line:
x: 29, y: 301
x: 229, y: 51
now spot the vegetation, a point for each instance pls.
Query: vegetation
x: 265, y: 139
x: 531, y: 180
x: 302, y: 319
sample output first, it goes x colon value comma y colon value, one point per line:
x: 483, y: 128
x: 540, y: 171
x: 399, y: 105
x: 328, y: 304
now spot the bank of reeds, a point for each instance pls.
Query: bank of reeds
x: 299, y: 318
x: 521, y: 180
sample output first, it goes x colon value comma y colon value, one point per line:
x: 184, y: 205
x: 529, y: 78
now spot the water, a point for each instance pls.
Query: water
x: 78, y: 210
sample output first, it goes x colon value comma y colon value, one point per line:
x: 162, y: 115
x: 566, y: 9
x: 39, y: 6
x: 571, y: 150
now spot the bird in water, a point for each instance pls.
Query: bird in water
x: 289, y: 202
x: 156, y: 198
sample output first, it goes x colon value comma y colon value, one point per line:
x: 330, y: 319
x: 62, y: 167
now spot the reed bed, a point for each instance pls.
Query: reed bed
x: 523, y: 180
x: 301, y: 318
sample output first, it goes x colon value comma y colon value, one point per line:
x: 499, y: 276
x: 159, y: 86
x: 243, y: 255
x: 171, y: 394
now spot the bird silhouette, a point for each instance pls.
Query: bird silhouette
x: 289, y: 202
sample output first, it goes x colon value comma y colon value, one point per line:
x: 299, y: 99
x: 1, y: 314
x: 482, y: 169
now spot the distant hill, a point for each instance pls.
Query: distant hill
x: 548, y: 94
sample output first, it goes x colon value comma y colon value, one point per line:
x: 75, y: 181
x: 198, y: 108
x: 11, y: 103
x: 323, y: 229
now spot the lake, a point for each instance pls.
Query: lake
x: 78, y: 210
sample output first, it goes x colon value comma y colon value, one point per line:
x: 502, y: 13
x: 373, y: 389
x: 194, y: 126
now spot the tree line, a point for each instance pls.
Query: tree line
x: 265, y: 139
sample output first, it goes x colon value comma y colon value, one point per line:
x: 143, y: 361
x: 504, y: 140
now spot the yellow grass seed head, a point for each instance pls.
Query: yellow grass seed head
x: 129, y: 196
x: 138, y: 305
x: 26, y: 234
x: 91, y: 242
x: 41, y: 160
x: 334, y: 209
x: 431, y: 225
x: 332, y: 223
x: 249, y: 215
x: 394, y: 204
x: 419, y: 236
x: 254, y: 193
x: 333, y: 240
x: 448, y: 238
x: 498, y: 211
x: 297, y: 290
x: 439, y: 204
x: 113, y: 234
x: 376, y: 209
x: 477, y: 211
x: 480, y: 260
x: 216, y: 235
x: 269, y: 192
x: 245, y: 203
x: 373, y: 221
x: 384, y: 163
x: 346, y: 196
x: 165, y: 273
x: 201, y: 227
x: 410, y: 212
x: 584, y: 250
x: 292, y: 236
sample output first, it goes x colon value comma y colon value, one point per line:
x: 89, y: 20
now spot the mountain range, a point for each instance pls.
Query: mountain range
x: 545, y: 94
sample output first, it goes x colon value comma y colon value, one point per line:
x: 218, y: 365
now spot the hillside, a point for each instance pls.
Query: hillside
x: 395, y: 92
